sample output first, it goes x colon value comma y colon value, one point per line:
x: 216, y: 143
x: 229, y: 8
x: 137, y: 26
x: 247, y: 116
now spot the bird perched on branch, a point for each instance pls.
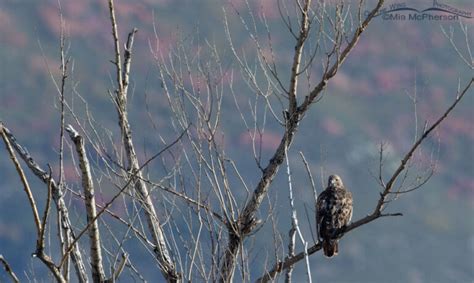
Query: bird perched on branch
x: 333, y: 212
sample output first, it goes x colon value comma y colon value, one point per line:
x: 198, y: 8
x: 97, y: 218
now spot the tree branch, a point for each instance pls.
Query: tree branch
x: 98, y: 274
x: 409, y: 154
x: 58, y: 199
x: 24, y: 181
x: 377, y: 213
x: 331, y: 72
x: 46, y: 213
x: 246, y: 222
x: 8, y: 269
x: 167, y: 266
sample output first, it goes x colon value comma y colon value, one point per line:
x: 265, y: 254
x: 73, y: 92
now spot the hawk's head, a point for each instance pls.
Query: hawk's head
x: 335, y: 181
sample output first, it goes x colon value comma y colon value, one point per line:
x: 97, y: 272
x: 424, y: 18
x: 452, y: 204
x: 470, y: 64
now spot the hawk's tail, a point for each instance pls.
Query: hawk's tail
x: 330, y: 248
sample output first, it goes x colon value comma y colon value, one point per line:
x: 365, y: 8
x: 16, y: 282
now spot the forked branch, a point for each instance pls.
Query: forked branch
x: 167, y: 265
x: 39, y: 226
x: 59, y: 201
x: 377, y: 213
x: 247, y: 219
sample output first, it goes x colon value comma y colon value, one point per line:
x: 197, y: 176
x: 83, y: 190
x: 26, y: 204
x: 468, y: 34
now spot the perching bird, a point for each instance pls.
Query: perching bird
x: 333, y: 211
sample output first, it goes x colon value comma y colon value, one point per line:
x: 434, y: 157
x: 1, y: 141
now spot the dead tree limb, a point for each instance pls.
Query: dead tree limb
x: 377, y: 213
x: 106, y: 207
x: 39, y: 226
x: 98, y: 274
x: 8, y: 269
x: 246, y: 222
x: 45, y: 218
x: 59, y: 202
x: 24, y: 181
x: 167, y: 266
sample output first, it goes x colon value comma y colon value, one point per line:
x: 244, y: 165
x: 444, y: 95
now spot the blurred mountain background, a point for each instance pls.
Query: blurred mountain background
x: 368, y: 102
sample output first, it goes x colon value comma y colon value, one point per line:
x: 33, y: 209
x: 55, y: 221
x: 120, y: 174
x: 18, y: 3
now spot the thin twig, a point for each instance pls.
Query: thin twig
x: 294, y: 229
x: 8, y: 269
x: 46, y: 210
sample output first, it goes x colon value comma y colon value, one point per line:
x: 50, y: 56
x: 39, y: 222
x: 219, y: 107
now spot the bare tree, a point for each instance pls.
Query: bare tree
x: 195, y: 218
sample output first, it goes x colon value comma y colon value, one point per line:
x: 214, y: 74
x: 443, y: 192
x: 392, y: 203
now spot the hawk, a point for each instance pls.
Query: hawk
x: 333, y: 212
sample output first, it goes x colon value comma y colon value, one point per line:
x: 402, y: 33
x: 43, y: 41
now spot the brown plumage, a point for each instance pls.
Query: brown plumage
x: 333, y: 211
